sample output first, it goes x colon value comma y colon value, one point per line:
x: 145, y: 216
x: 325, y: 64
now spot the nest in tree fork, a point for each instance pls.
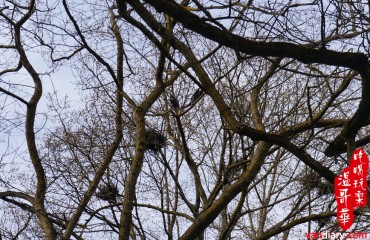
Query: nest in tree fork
x: 154, y: 140
x: 325, y: 188
x: 310, y: 180
x: 108, y: 193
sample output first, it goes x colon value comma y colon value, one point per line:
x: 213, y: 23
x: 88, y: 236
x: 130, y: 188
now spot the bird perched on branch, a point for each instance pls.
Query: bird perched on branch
x: 174, y: 103
x: 122, y: 7
x: 198, y: 93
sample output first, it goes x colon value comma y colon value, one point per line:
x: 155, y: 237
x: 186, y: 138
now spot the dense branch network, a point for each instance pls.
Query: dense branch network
x: 194, y: 119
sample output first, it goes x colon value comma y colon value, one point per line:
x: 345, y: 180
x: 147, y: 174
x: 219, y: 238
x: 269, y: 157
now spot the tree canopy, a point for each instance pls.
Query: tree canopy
x: 193, y: 119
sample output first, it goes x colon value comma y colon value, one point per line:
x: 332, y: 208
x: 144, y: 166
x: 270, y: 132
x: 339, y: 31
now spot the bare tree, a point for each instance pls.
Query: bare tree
x: 197, y: 120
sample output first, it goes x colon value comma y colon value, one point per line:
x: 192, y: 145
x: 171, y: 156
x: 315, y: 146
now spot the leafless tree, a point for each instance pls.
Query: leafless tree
x: 196, y: 119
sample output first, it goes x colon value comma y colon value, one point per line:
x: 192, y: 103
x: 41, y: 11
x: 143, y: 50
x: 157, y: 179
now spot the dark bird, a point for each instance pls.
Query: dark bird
x: 198, y: 93
x: 122, y: 7
x: 174, y: 103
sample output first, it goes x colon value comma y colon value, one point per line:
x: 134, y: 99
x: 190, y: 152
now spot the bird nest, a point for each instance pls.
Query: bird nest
x: 322, y: 222
x: 312, y: 180
x: 154, y: 140
x: 325, y: 188
x: 108, y: 193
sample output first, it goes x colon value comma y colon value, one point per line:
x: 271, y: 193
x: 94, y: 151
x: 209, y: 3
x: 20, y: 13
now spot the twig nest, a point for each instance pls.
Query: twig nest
x: 154, y: 140
x: 322, y: 222
x: 108, y: 193
x: 325, y: 188
x: 310, y: 180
